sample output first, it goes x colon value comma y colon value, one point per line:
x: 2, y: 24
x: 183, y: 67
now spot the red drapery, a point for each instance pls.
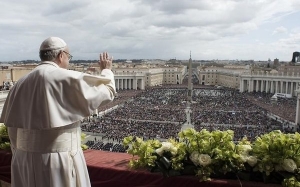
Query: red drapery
x: 109, y: 169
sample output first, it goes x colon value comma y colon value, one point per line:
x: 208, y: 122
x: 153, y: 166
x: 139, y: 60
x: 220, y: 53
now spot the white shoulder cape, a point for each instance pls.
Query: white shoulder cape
x: 50, y: 97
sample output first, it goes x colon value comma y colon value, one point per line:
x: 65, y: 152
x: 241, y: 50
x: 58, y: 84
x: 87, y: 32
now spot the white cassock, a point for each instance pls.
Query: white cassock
x: 43, y: 112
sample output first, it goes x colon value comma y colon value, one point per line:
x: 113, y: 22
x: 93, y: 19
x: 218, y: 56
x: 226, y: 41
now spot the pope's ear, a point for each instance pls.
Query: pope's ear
x: 59, y: 56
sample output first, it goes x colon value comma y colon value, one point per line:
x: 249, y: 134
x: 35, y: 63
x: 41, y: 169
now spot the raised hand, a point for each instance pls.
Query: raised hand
x: 105, y: 61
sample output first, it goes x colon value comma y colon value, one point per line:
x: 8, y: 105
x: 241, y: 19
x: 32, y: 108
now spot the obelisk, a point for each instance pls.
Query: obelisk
x: 188, y: 111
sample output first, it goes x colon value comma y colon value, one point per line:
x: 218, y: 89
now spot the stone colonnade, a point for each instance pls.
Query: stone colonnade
x: 269, y: 86
x: 269, y: 83
x: 129, y: 83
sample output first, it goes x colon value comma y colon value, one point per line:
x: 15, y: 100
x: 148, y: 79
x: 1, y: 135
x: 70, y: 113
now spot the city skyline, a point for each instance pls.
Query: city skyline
x: 134, y: 29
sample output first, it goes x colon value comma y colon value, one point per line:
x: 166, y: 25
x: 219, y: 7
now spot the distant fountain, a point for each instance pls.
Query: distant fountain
x: 188, y: 111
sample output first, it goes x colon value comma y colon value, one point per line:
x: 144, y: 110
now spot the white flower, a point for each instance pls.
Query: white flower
x: 166, y: 146
x: 194, y: 157
x: 173, y: 150
x: 244, y: 158
x: 289, y: 165
x: 204, y: 159
x: 245, y: 149
x: 159, y: 151
x: 251, y: 160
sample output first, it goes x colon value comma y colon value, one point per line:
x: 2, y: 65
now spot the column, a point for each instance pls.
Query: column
x: 256, y: 89
x: 134, y: 83
x: 261, y: 85
x: 130, y: 84
x: 267, y: 86
x: 249, y: 85
x: 272, y: 86
x: 126, y: 83
x: 286, y: 87
x: 292, y: 88
x: 142, y: 84
x: 276, y: 85
x: 117, y: 84
x: 241, y: 85
x: 281, y: 86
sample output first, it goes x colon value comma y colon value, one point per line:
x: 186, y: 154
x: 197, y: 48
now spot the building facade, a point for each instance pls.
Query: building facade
x: 267, y: 82
x: 127, y: 76
x: 227, y: 76
x: 246, y: 79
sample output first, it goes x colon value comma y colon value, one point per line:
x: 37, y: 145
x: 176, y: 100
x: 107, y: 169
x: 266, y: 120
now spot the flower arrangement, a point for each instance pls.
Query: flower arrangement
x: 156, y: 154
x: 215, y: 154
x: 4, y: 139
x: 280, y: 153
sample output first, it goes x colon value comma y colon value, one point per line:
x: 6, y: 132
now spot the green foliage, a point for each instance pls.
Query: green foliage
x: 143, y: 149
x: 277, y: 151
x: 210, y: 150
x: 4, y: 140
x: 215, y: 153
x: 291, y: 182
x: 83, y: 146
x: 150, y: 151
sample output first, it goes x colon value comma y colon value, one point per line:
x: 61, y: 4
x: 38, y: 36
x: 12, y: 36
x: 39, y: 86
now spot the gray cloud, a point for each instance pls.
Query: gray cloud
x: 148, y: 28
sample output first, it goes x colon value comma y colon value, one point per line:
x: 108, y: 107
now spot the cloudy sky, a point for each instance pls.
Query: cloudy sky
x: 153, y: 29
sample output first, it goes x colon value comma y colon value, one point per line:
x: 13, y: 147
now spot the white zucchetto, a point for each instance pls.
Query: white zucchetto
x: 52, y: 43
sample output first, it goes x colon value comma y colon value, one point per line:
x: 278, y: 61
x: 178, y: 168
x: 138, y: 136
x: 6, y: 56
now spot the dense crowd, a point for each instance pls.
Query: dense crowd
x: 116, y: 130
x: 159, y: 112
x: 121, y: 97
x: 283, y: 107
x: 109, y: 146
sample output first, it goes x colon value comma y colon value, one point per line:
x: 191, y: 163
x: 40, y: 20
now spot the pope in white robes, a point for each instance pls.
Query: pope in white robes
x: 43, y: 112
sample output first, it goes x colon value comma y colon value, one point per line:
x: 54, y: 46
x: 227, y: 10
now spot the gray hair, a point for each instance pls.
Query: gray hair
x: 49, y: 55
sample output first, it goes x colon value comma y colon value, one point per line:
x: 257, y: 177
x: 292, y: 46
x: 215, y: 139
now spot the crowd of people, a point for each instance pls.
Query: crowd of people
x: 159, y: 112
x: 109, y: 146
x: 116, y: 130
x: 121, y: 97
x: 283, y: 107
